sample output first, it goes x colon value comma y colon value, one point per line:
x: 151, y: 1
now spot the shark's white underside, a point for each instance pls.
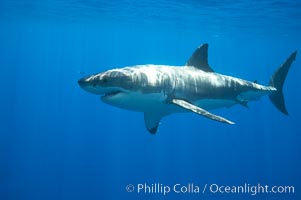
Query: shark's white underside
x: 139, y: 102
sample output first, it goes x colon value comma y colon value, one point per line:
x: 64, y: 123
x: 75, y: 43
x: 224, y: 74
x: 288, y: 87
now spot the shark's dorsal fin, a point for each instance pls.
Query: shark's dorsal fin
x: 199, y: 59
x: 188, y: 106
x: 152, y: 121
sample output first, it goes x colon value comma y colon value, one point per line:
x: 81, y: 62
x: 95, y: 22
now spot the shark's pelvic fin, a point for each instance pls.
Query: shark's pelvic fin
x: 199, y: 59
x: 188, y: 106
x: 277, y: 81
x: 152, y: 121
x: 243, y: 103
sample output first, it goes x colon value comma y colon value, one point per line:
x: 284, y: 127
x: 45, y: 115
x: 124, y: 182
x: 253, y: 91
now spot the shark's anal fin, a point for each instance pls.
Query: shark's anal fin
x: 152, y: 121
x: 188, y: 106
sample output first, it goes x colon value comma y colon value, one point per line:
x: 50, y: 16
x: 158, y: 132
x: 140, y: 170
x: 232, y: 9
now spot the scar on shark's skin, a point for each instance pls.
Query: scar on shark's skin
x: 161, y: 90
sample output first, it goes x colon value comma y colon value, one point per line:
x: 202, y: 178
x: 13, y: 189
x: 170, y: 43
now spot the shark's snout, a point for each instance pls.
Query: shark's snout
x: 94, y: 84
x: 88, y: 85
x: 83, y: 82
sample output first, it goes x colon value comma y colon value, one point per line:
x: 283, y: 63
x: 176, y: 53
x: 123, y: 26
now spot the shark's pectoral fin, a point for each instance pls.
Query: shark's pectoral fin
x: 152, y: 121
x: 188, y: 106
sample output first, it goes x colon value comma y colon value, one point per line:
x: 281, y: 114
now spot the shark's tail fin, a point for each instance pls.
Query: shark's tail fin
x: 277, y: 81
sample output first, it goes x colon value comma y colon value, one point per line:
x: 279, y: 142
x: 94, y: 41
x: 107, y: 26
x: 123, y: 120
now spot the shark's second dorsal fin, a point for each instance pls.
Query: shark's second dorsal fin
x: 199, y: 59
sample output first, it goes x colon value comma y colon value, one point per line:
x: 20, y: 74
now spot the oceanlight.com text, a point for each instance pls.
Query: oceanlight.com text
x: 193, y: 188
x: 251, y: 189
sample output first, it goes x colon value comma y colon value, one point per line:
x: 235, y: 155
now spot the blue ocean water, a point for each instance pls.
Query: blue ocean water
x: 59, y: 142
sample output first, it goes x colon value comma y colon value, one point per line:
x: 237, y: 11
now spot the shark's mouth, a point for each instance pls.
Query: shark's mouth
x: 111, y: 94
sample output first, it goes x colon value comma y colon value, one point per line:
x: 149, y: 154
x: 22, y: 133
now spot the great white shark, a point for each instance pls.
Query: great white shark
x: 161, y: 90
